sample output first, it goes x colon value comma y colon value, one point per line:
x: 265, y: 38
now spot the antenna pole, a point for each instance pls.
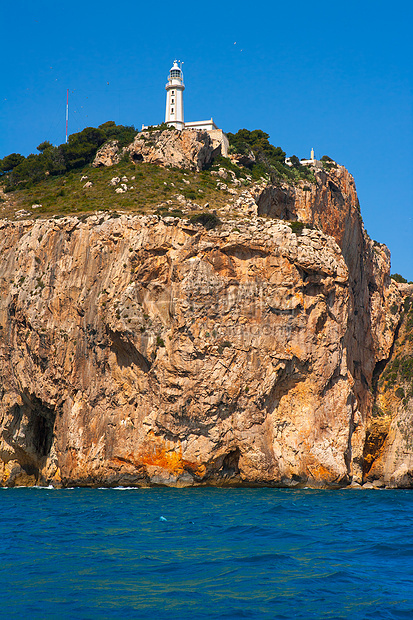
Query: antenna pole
x: 67, y: 112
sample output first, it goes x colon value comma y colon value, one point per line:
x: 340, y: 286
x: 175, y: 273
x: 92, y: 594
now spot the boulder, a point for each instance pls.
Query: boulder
x: 107, y: 155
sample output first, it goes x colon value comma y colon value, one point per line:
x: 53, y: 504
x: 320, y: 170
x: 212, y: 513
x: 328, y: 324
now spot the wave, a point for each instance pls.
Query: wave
x: 221, y: 555
x: 265, y: 557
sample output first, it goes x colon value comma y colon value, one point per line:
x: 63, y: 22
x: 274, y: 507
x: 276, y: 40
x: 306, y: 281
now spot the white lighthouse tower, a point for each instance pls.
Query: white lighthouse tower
x: 174, y: 114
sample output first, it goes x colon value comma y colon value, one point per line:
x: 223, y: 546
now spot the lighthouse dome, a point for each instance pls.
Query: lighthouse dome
x: 175, y: 71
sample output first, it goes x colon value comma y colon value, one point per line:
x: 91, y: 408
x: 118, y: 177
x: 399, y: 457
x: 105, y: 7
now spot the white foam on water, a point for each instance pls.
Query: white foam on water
x: 119, y: 488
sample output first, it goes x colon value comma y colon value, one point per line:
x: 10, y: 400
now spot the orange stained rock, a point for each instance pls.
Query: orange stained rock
x: 320, y: 473
x: 158, y: 454
x: 271, y: 304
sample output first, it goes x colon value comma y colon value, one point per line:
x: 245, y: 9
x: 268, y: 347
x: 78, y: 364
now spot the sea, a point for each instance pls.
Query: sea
x: 206, y: 553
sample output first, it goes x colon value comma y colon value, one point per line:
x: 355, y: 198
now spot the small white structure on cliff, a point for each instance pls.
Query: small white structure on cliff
x: 174, y: 112
x: 312, y: 161
x: 306, y: 162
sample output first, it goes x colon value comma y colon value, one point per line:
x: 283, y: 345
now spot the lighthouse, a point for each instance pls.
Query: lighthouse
x: 174, y: 114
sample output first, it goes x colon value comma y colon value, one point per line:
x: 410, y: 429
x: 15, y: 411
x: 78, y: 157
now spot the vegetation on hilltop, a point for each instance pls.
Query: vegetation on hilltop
x: 162, y: 127
x: 328, y: 163
x: 21, y: 172
x: 269, y: 159
x: 150, y: 188
x: 398, y: 278
x: 52, y: 181
x: 24, y: 172
x: 256, y: 141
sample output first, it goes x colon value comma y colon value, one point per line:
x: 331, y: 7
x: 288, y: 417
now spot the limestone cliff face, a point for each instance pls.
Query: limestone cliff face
x: 332, y: 205
x: 136, y: 350
x: 189, y: 149
x: 389, y: 446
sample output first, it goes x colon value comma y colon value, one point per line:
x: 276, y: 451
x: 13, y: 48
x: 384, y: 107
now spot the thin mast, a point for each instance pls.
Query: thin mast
x: 67, y: 112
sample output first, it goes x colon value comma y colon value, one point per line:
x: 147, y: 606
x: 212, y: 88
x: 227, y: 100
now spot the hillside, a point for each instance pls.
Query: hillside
x: 37, y: 188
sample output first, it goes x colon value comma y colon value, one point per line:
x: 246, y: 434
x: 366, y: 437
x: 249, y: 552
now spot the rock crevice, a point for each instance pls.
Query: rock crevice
x: 140, y: 351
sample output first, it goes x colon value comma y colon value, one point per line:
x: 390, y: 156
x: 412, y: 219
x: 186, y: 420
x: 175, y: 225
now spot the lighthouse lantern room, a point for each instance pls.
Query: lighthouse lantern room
x: 174, y: 114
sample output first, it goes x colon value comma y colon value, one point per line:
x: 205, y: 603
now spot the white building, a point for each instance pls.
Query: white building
x: 174, y: 112
x: 310, y: 162
x: 307, y: 162
x: 202, y: 125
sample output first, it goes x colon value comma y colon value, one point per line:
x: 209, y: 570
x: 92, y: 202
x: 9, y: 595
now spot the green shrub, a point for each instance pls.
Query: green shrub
x: 10, y: 162
x: 269, y: 159
x: 398, y: 278
x: 377, y: 412
x: 161, y: 127
x: 295, y: 161
x: 400, y: 392
x: 31, y: 170
x: 328, y: 163
x: 55, y: 160
x: 206, y: 219
x: 391, y: 378
x: 43, y: 146
x: 82, y: 147
x: 224, y: 345
x: 175, y: 213
x: 256, y: 141
x: 258, y: 172
x: 190, y: 194
x: 298, y: 227
x: 125, y: 134
x: 227, y: 164
x: 409, y: 322
x: 406, y: 368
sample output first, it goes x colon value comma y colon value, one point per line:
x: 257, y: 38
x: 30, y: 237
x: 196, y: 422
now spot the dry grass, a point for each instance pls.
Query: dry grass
x: 148, y: 192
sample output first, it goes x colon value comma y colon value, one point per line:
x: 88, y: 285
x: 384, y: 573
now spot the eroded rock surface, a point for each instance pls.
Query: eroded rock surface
x: 136, y: 350
x: 375, y: 300
x: 188, y: 149
x: 108, y: 155
x: 391, y: 424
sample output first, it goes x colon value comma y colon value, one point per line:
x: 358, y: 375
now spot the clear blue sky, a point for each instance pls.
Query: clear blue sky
x: 333, y: 76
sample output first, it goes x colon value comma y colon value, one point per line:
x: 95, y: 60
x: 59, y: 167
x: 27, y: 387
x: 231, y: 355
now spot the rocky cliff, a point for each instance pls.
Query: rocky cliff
x: 141, y: 350
x: 389, y: 443
x: 189, y: 149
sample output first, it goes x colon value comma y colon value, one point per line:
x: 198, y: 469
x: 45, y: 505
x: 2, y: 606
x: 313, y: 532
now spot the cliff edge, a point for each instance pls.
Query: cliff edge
x: 145, y: 350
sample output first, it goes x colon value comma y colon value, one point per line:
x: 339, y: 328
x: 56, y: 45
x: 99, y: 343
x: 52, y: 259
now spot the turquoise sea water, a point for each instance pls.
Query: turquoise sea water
x: 205, y: 553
